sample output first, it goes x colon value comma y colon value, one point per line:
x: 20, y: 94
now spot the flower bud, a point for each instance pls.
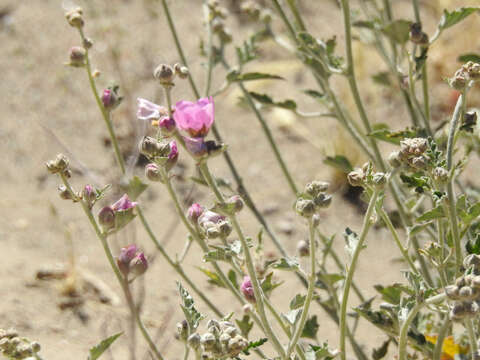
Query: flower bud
x: 459, y: 80
x: 59, y: 165
x: 182, y: 330
x: 35, y: 346
x: 172, y: 156
x: 417, y: 36
x: 87, y: 43
x: 213, y: 326
x: 465, y: 293
x: 247, y: 289
x: 236, y: 203
x: 194, y: 212
x: 196, y: 147
x: 457, y: 312
x: 153, y: 172
x: 440, y: 174
x: 356, y: 177
x: 452, y: 292
x: 315, y: 220
x: 236, y: 345
x: 194, y: 341
x: 224, y: 338
x: 167, y: 126
x: 224, y: 228
x: 149, y: 146
x: 419, y: 162
x: 472, y: 69
x: 412, y: 147
x: 305, y: 207
x: 208, y: 341
x: 164, y: 74
x: 379, y: 180
x: 181, y: 71
x: 77, y: 56
x: 127, y: 254
x: 89, y: 195
x: 138, y: 265
x: 106, y: 218
x: 247, y: 308
x: 64, y: 193
x: 75, y: 17
x: 394, y: 159
x: 303, y: 248
x: 110, y: 98
x: 323, y: 200
x: 316, y: 187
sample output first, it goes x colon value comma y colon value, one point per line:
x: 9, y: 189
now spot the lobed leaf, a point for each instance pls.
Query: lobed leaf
x: 96, y: 351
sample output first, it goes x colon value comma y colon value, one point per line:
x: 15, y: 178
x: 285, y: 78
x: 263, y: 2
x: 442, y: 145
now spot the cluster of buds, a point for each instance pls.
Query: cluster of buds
x: 469, y: 71
x: 256, y: 12
x: 313, y: 199
x: 132, y: 262
x: 117, y: 215
x: 222, y: 340
x: 466, y: 291
x: 165, y: 74
x: 417, y: 36
x: 14, y: 347
x: 59, y: 166
x: 365, y: 176
x: 163, y: 155
x: 74, y: 17
x: 217, y: 16
x: 110, y: 98
x: 214, y: 225
x: 411, y: 154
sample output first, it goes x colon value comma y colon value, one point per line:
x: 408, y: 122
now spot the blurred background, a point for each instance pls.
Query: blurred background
x: 56, y: 286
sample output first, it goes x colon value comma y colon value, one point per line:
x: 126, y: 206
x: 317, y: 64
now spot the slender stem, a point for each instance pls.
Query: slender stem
x: 284, y: 17
x: 472, y: 338
x: 437, y: 351
x: 208, y: 21
x: 388, y: 222
x: 105, y: 113
x: 450, y: 191
x: 249, y: 261
x: 186, y: 351
x: 402, y: 342
x: 123, y: 283
x: 298, y: 19
x: 311, y: 288
x: 348, y: 280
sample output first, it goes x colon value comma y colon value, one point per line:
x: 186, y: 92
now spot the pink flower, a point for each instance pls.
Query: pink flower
x: 123, y: 204
x: 194, y: 212
x: 167, y: 125
x: 210, y: 217
x: 247, y: 289
x: 126, y: 255
x: 195, y: 118
x: 172, y: 156
x: 138, y: 265
x: 149, y: 111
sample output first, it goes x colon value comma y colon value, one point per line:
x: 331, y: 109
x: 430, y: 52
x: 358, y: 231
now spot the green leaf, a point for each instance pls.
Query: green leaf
x: 96, y: 351
x: 417, y: 181
x: 322, y: 98
x: 286, y: 264
x: 339, y: 162
x: 451, y: 18
x: 297, y: 301
x: 390, y: 293
x: 216, y: 255
x: 253, y: 345
x: 380, y: 352
x: 328, y: 279
x: 245, y: 325
x: 382, y: 78
x: 292, y: 316
x: 393, y: 137
x: 232, y: 276
x: 235, y: 76
x: 469, y: 57
x: 364, y: 24
x: 192, y: 315
x: 213, y: 278
x: 322, y: 352
x: 135, y: 188
x: 435, y: 213
x: 267, y: 100
x: 473, y: 245
x: 398, y: 30
x: 311, y: 328
x: 415, y: 229
x: 268, y: 285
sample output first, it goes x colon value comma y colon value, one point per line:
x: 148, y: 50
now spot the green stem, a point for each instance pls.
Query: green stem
x: 105, y: 113
x: 123, y: 282
x: 450, y: 191
x: 348, y: 280
x: 437, y: 351
x: 208, y: 22
x: 472, y: 338
x: 186, y: 351
x: 249, y: 261
x: 298, y: 19
x: 402, y: 342
x: 311, y: 288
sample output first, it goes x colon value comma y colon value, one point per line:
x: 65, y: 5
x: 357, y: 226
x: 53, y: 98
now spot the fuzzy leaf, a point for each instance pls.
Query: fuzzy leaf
x: 454, y: 17
x: 235, y: 76
x: 192, y: 315
x: 287, y: 264
x: 253, y: 345
x: 297, y: 301
x: 232, y: 276
x: 390, y: 293
x: 419, y: 182
x: 135, y: 188
x: 473, y: 246
x: 435, y: 213
x: 216, y: 255
x: 213, y: 278
x: 339, y: 162
x: 398, y: 30
x: 245, y: 325
x: 292, y: 316
x: 415, y: 229
x: 96, y: 351
x: 322, y: 352
x: 469, y: 57
x: 268, y: 285
x: 393, y: 137
x: 267, y: 100
x: 311, y: 328
x: 381, y: 352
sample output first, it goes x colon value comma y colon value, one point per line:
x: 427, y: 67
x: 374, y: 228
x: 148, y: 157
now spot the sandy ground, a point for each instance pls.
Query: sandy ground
x: 47, y: 108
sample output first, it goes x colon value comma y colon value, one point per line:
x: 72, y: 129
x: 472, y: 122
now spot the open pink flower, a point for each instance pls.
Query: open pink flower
x: 124, y: 203
x: 149, y: 111
x: 195, y: 118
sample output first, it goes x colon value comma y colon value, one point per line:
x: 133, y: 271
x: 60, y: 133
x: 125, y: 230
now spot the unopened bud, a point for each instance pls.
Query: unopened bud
x: 194, y: 341
x: 89, y: 195
x: 224, y: 228
x: 149, y: 146
x: 182, y: 330
x: 153, y: 172
x: 167, y: 126
x: 315, y: 220
x: 106, y: 218
x: 236, y: 203
x: 379, y: 179
x: 64, y: 193
x: 172, y: 157
x: 452, y: 292
x: 440, y: 174
x: 356, y: 177
x: 323, y: 200
x: 110, y: 98
x: 247, y: 289
x: 208, y: 341
x: 138, y: 265
x: 75, y: 17
x: 59, y: 165
x: 305, y: 207
x: 181, y: 71
x: 417, y: 36
x: 394, y: 159
x: 194, y: 212
x: 459, y: 80
x: 164, y: 74
x: 316, y: 187
x: 303, y: 248
x: 87, y: 43
x: 77, y: 56
x: 127, y: 254
x: 213, y: 325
